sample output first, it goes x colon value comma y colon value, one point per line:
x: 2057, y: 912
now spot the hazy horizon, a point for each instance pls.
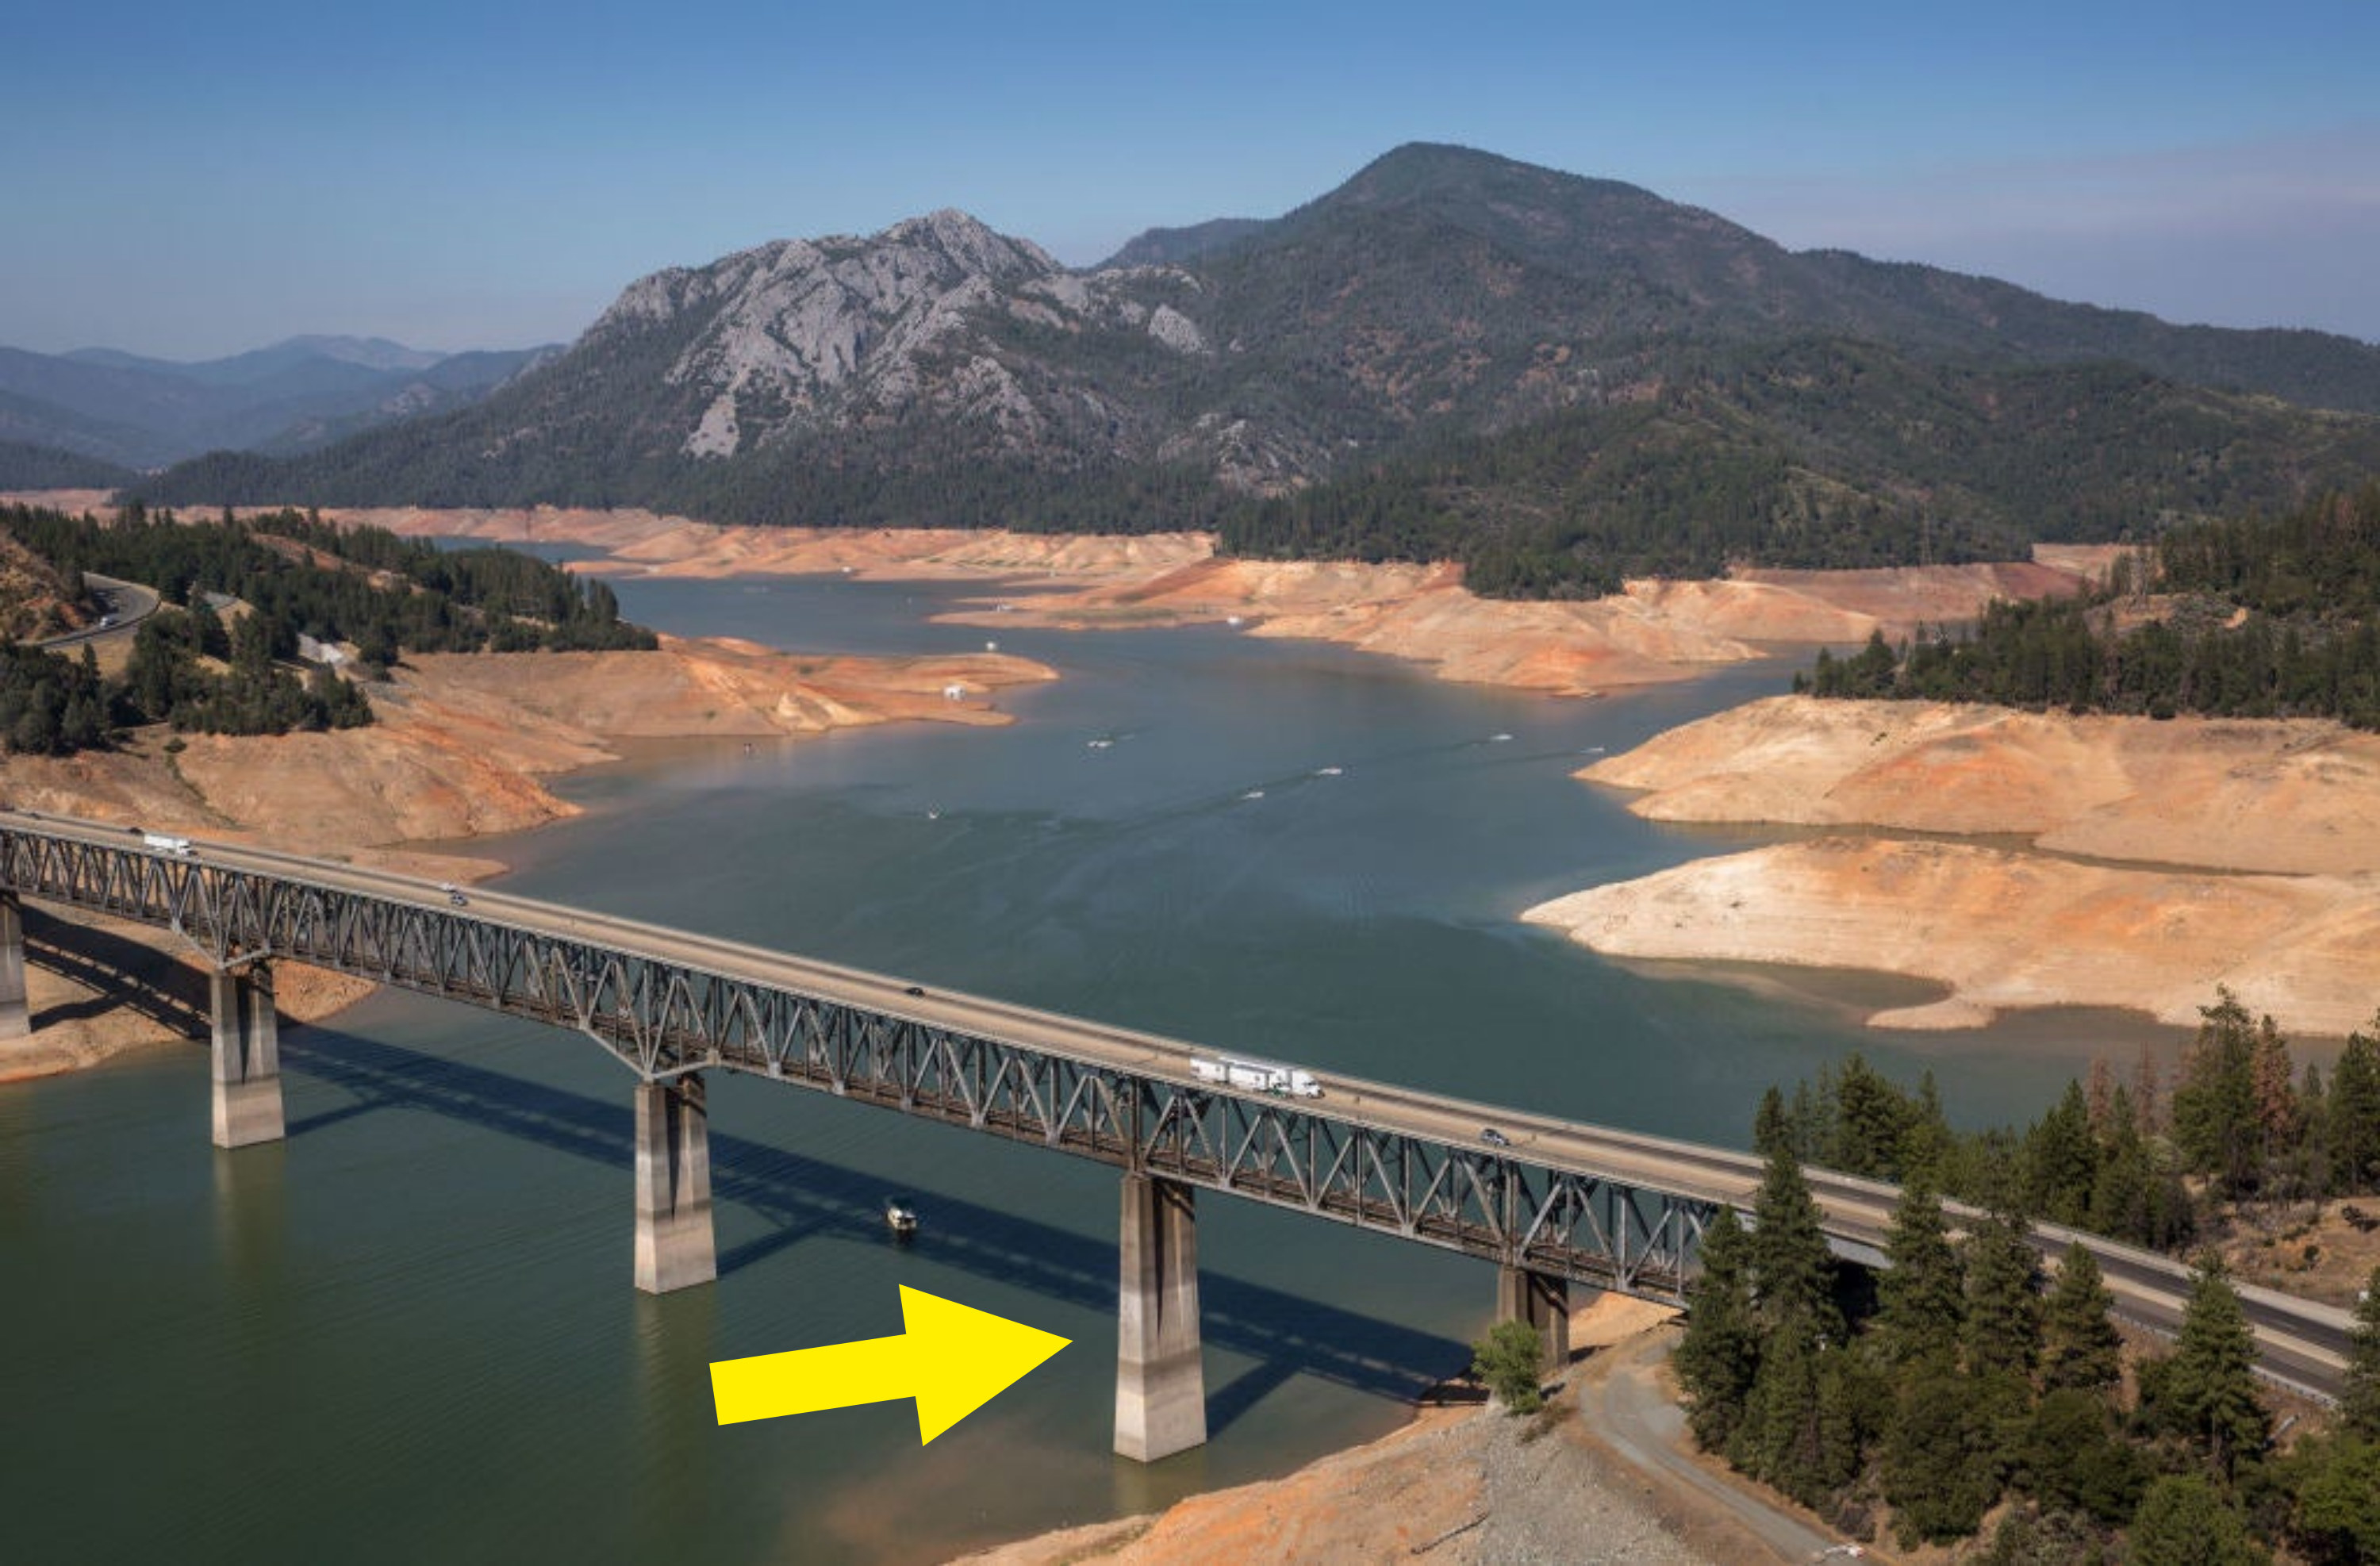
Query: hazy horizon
x: 200, y: 183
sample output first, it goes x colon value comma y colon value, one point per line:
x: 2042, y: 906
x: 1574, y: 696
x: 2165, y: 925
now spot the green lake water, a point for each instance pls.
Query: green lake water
x: 407, y: 1333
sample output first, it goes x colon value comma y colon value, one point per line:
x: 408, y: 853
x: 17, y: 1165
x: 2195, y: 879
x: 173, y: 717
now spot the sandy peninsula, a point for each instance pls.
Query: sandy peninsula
x: 2123, y: 861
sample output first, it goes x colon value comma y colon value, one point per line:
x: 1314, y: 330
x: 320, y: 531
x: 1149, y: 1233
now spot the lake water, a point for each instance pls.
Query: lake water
x: 408, y: 1333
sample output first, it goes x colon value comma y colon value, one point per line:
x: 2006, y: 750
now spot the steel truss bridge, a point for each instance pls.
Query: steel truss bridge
x: 1551, y: 1202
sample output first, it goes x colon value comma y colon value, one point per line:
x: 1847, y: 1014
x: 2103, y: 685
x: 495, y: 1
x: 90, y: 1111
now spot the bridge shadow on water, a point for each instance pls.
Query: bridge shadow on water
x: 803, y: 1198
x: 806, y: 1199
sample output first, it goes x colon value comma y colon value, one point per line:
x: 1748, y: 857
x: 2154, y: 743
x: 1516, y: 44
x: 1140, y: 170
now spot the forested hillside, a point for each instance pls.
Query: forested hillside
x: 1824, y: 453
x: 198, y: 668
x: 2259, y: 617
x: 1966, y: 1383
x: 24, y: 466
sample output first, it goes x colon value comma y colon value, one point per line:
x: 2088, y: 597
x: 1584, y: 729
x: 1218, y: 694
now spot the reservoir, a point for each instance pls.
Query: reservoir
x: 407, y: 1332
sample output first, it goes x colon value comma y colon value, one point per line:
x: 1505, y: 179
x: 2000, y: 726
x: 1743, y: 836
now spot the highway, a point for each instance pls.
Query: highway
x: 2302, y: 1345
x: 126, y: 604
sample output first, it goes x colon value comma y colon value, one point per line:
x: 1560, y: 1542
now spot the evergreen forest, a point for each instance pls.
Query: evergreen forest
x: 1972, y: 1383
x: 2226, y: 617
x: 221, y: 655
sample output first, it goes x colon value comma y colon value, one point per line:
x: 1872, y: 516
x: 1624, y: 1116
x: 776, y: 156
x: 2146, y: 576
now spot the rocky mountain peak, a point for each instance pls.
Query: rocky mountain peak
x: 776, y: 339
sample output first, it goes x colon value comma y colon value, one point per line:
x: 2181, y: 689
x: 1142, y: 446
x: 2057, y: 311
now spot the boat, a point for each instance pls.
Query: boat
x: 900, y: 1217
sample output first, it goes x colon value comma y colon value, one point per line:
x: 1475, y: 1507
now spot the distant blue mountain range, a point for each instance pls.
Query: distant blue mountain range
x: 138, y: 412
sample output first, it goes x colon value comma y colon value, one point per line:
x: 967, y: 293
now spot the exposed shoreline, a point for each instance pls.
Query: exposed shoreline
x: 1652, y: 631
x: 2130, y: 863
x: 463, y: 748
x: 1464, y: 1482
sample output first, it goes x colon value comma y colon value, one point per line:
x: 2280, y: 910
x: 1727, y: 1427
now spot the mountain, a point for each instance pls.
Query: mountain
x: 261, y: 364
x: 26, y: 466
x: 1436, y: 304
x: 1174, y: 247
x: 123, y: 409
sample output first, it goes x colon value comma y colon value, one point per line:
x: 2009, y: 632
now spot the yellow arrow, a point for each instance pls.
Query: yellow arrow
x: 952, y: 1359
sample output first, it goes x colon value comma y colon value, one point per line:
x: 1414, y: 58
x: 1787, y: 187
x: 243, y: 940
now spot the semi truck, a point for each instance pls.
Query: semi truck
x: 165, y: 845
x: 1256, y: 1076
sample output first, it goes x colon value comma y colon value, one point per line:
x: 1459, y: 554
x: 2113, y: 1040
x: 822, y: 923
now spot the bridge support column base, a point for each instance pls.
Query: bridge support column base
x: 1161, y: 1374
x: 1543, y: 1301
x: 246, y: 1059
x: 15, y: 1019
x: 675, y: 1248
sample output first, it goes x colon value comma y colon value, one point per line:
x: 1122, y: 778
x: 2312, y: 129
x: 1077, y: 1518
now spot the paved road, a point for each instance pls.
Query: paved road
x: 2301, y: 1344
x: 1624, y: 1405
x: 123, y: 605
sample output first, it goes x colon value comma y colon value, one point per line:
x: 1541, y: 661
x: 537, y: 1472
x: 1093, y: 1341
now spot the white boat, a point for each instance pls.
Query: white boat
x: 899, y: 1216
x: 1327, y: 772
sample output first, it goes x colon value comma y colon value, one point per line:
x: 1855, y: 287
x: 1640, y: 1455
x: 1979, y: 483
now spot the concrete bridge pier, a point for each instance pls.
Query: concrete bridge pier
x: 1160, y: 1376
x: 674, y: 1248
x: 247, y: 1057
x: 16, y: 1020
x: 1542, y: 1300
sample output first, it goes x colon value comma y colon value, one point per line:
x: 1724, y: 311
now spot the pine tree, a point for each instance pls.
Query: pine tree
x: 2071, y: 1459
x: 1922, y: 1293
x: 2003, y: 1312
x: 1871, y: 1118
x: 2080, y: 1346
x: 1720, y: 1353
x: 2278, y: 1116
x: 2100, y: 1096
x: 1925, y: 1145
x: 1792, y: 1273
x: 2210, y: 1385
x: 1941, y: 1460
x: 1782, y: 1438
x: 2183, y: 1523
x: 2354, y: 1114
x: 1771, y: 1129
x: 2062, y: 1161
x: 2339, y: 1498
x: 2359, y: 1402
x: 2214, y: 1112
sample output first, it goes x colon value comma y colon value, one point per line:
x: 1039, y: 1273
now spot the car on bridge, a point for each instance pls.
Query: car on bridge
x: 1494, y: 1138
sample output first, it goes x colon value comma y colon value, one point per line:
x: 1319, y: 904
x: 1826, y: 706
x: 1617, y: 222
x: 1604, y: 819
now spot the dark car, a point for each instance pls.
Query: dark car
x: 913, y: 990
x: 1494, y: 1138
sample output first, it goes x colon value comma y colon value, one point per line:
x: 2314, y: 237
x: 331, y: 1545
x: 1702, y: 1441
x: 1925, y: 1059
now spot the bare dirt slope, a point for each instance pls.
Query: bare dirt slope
x: 2249, y: 856
x: 2287, y: 796
x: 2004, y: 928
x: 1464, y: 1485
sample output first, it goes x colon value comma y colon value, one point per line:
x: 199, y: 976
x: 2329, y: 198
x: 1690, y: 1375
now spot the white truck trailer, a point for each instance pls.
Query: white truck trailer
x: 1256, y: 1076
x: 165, y: 845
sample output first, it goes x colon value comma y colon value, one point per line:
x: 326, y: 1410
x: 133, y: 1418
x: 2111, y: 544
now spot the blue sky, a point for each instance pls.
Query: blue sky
x: 187, y: 180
